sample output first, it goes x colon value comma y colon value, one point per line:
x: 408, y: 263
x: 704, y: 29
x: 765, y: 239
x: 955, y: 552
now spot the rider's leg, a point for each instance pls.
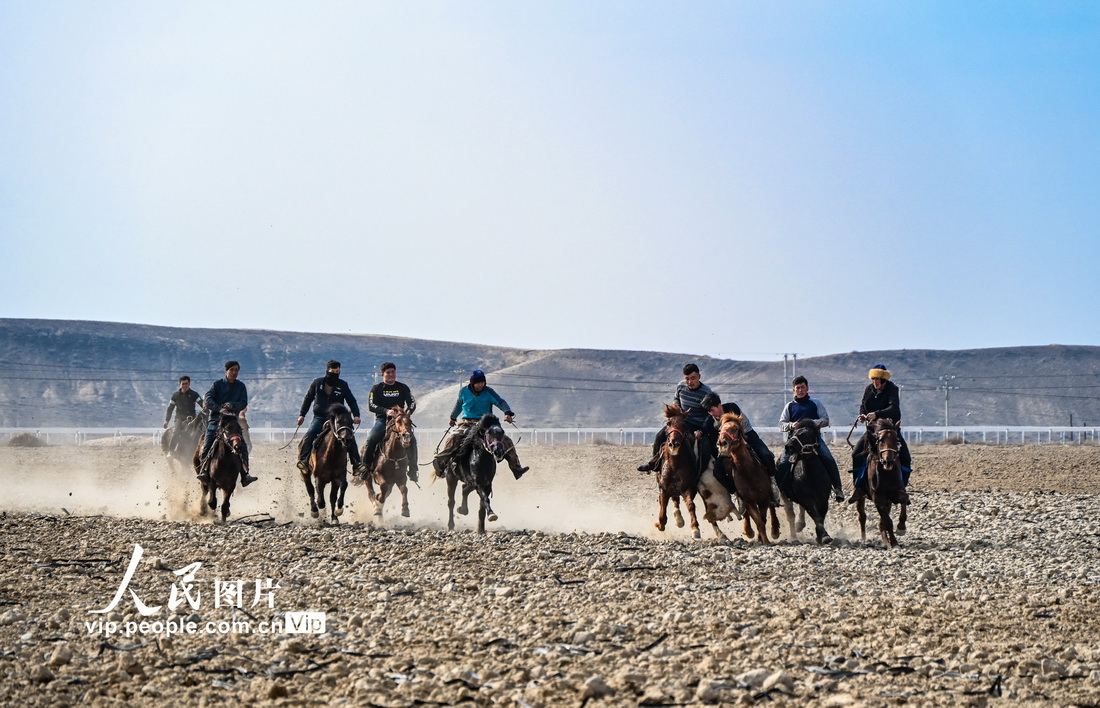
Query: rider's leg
x: 513, y: 458
x: 762, y: 451
x: 414, y: 461
x: 859, y: 480
x: 447, y: 450
x: 306, y: 449
x: 830, y: 466
x: 204, y: 456
x: 658, y: 442
x: 357, y: 465
x: 246, y: 478
x: 374, y: 437
x: 906, y: 461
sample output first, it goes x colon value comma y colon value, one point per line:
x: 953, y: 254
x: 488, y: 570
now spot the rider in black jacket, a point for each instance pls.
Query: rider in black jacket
x: 322, y: 393
x: 881, y: 399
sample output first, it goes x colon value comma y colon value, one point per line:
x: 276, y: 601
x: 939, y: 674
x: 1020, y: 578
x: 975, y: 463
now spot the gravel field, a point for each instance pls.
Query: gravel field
x: 572, y: 598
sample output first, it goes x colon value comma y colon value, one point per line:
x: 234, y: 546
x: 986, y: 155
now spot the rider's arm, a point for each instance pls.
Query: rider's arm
x: 171, y: 407
x: 785, y: 419
x: 457, y: 407
x: 499, y: 402
x: 350, y: 398
x: 310, y: 395
x: 822, y: 420
x: 412, y: 401
x: 372, y: 405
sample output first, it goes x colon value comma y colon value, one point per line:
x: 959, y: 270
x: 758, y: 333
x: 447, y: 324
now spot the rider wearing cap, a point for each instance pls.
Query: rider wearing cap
x: 323, y: 392
x: 229, y: 390
x: 475, y: 400
x: 881, y: 399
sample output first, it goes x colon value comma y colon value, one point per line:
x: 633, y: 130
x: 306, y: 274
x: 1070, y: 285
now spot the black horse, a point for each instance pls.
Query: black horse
x: 226, y: 464
x: 178, y: 442
x: 475, y: 465
x: 808, y: 483
x: 884, y: 481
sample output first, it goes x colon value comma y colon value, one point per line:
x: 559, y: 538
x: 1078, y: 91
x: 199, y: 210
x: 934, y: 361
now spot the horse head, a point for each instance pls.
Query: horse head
x: 730, y: 434
x: 803, y: 440
x: 229, y: 430
x: 491, y: 435
x: 676, y: 425
x: 342, y: 424
x: 885, y: 436
x: 401, y: 425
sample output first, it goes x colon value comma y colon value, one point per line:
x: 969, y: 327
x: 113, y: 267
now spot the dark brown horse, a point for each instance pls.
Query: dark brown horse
x: 750, y: 477
x: 328, y: 462
x: 391, y: 465
x: 884, y: 480
x: 179, y: 440
x: 678, y: 473
x: 225, y: 462
x: 474, y: 464
x: 808, y: 482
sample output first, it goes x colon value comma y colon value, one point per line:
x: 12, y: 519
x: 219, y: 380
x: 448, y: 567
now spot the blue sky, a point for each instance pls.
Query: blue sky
x: 738, y: 179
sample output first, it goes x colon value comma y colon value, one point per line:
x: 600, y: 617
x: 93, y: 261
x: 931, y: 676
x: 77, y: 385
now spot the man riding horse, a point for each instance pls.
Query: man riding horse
x: 881, y: 399
x: 475, y: 400
x: 229, y: 390
x: 385, y: 398
x: 323, y: 392
x: 689, y: 399
x: 183, y: 402
x: 801, y: 407
x: 712, y: 402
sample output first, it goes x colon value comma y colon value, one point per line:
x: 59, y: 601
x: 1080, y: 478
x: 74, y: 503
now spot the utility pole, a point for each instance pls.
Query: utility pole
x: 793, y: 358
x: 946, y: 387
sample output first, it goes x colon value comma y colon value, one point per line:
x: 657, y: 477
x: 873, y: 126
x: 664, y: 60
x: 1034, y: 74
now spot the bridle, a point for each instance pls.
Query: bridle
x: 806, y: 449
x: 493, y: 444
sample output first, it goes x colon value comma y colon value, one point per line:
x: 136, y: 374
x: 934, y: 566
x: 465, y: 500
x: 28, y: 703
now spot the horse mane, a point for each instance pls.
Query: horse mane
x: 673, y: 411
x: 730, y: 418
x: 472, y: 435
x: 335, y: 410
x: 805, y: 423
x: 880, y: 424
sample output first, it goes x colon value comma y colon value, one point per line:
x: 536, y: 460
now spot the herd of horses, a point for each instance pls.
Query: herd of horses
x: 681, y: 477
x: 473, y: 465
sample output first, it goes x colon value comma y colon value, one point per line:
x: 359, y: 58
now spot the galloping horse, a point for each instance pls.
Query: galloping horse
x: 225, y: 461
x: 808, y: 484
x: 475, y: 465
x: 328, y: 462
x: 719, y: 503
x: 391, y: 466
x: 678, y: 474
x: 884, y: 480
x: 178, y: 441
x: 750, y: 478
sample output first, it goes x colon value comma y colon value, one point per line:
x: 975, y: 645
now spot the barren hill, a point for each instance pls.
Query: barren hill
x: 56, y: 373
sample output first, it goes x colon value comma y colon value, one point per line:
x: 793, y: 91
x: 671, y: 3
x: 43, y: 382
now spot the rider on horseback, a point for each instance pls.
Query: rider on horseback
x: 881, y: 399
x: 714, y: 406
x: 229, y: 390
x: 384, y: 397
x: 183, y: 403
x: 689, y: 398
x: 475, y: 400
x: 802, y: 406
x: 323, y: 392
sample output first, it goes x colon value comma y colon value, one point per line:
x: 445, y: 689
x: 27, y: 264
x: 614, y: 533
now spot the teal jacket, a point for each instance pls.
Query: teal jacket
x: 475, y: 405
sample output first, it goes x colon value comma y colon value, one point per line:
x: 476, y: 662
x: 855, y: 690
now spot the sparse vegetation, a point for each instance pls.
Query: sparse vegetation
x: 26, y: 440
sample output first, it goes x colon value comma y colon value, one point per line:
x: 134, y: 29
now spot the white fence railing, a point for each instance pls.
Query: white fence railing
x: 999, y: 434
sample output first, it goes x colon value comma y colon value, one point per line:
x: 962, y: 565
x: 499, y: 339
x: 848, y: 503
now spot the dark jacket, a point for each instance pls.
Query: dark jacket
x: 224, y: 392
x: 384, y: 397
x: 884, y: 404
x: 341, y: 393
x: 183, y: 404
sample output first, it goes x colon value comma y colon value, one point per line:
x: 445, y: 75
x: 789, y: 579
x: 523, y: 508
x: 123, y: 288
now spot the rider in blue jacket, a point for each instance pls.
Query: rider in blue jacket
x: 475, y: 400
x: 229, y: 390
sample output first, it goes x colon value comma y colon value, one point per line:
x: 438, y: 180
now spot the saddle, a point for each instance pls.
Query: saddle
x: 324, y: 429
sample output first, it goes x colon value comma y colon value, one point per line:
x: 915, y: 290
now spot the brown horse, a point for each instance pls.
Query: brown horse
x: 678, y: 474
x: 225, y: 461
x: 391, y: 465
x: 750, y: 478
x: 179, y: 440
x: 884, y: 480
x: 328, y: 462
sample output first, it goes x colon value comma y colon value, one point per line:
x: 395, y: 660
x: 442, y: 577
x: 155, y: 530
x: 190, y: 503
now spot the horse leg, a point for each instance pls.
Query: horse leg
x: 338, y: 505
x: 775, y: 522
x: 788, y: 510
x: 333, y: 497
x: 202, y: 499
x: 464, y: 508
x: 818, y: 513
x: 451, y: 484
x: 760, y: 520
x: 886, y: 524
x: 486, y: 507
x: 226, y: 494
x: 801, y: 517
x: 902, y: 517
x: 689, y: 501
x: 404, y: 489
x: 662, y: 510
x: 311, y: 493
x: 380, y: 499
x: 676, y: 515
x: 861, y: 511
x: 321, y: 484
x: 746, y: 523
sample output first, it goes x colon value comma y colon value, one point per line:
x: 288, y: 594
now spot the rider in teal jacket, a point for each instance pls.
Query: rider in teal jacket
x: 475, y: 400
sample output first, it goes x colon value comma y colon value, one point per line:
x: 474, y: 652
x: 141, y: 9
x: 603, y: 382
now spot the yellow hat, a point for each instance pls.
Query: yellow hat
x: 878, y: 371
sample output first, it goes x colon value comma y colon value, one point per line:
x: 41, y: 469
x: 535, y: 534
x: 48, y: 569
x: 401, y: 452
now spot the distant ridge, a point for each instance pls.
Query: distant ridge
x: 61, y: 373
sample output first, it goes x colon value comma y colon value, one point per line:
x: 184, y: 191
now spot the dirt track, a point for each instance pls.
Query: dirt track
x: 571, y: 595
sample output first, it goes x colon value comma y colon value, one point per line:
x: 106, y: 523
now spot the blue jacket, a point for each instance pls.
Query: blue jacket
x: 474, y: 405
x: 224, y: 392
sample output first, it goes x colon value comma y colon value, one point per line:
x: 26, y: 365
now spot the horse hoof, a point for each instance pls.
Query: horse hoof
x: 491, y: 517
x: 900, y: 531
x: 696, y: 534
x: 405, y: 512
x: 679, y: 522
x: 462, y: 510
x: 659, y: 527
x: 314, y: 513
x: 826, y: 539
x: 338, y: 511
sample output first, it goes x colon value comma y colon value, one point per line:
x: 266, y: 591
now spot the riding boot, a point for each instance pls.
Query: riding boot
x: 303, y: 465
x: 838, y: 494
x: 439, y: 466
x: 204, y: 465
x: 775, y: 493
x: 857, y: 494
x: 650, y: 466
x: 413, y: 474
x: 903, y: 497
x: 246, y: 478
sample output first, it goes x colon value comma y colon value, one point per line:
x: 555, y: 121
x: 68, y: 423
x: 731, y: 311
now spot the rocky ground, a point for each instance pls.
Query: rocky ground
x: 572, y: 598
